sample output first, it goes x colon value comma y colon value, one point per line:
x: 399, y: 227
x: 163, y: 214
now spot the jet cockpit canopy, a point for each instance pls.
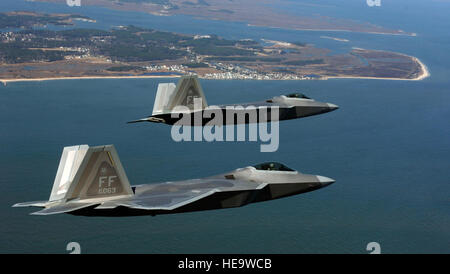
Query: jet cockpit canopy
x: 272, y: 166
x: 297, y: 95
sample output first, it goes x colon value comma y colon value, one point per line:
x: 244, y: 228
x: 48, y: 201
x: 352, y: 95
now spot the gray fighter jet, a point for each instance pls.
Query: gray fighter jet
x: 91, y: 181
x: 173, y: 102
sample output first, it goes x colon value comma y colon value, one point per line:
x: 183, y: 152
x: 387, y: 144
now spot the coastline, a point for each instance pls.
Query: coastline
x: 425, y: 73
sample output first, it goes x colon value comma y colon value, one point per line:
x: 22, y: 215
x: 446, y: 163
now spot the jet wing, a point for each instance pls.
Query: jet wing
x: 163, y: 196
x: 159, y: 202
x: 170, y: 196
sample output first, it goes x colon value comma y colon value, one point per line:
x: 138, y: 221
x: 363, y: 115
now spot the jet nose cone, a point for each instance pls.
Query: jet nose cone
x: 325, y: 180
x: 332, y: 106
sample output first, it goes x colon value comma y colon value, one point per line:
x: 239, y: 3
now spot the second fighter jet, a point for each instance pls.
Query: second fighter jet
x: 185, y: 104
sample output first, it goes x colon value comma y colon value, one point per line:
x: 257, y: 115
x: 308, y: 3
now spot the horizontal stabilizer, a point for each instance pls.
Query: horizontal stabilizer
x: 137, y: 121
x: 29, y: 204
x: 148, y: 119
x: 63, y: 208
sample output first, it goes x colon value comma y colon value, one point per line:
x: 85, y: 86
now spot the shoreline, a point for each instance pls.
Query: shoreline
x: 425, y: 74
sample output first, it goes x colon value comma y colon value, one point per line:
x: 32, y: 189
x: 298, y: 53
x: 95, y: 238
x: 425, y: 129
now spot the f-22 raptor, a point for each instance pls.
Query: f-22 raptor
x: 177, y: 104
x: 91, y: 181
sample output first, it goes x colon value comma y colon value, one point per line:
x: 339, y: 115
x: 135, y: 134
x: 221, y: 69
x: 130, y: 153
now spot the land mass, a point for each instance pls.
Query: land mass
x: 252, y: 12
x: 129, y: 51
x: 29, y: 20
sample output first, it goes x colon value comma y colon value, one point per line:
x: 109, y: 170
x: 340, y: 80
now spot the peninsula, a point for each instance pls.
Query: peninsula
x: 129, y: 51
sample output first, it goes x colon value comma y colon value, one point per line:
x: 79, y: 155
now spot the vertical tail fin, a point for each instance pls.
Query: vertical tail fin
x: 89, y: 172
x: 69, y: 164
x: 163, y: 96
x: 170, y: 96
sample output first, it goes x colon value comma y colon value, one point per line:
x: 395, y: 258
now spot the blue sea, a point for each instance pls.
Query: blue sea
x: 387, y: 147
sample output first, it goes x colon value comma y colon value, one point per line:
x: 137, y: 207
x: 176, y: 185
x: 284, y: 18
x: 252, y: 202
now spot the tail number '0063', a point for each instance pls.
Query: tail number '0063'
x: 108, y: 181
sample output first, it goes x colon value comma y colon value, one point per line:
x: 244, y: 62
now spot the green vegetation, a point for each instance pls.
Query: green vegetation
x: 125, y: 44
x: 29, y: 20
x: 128, y: 44
x: 135, y: 54
x: 122, y: 45
x: 125, y: 68
x: 166, y: 37
x: 9, y: 53
x: 196, y: 65
x: 248, y: 43
x: 77, y: 34
x: 215, y: 46
x: 221, y: 51
x: 282, y: 70
x: 245, y: 59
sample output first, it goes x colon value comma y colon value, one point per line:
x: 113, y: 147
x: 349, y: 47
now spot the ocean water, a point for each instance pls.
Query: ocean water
x: 387, y: 147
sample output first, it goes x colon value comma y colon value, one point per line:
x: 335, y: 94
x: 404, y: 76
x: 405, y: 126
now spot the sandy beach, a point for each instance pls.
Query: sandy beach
x: 425, y: 71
